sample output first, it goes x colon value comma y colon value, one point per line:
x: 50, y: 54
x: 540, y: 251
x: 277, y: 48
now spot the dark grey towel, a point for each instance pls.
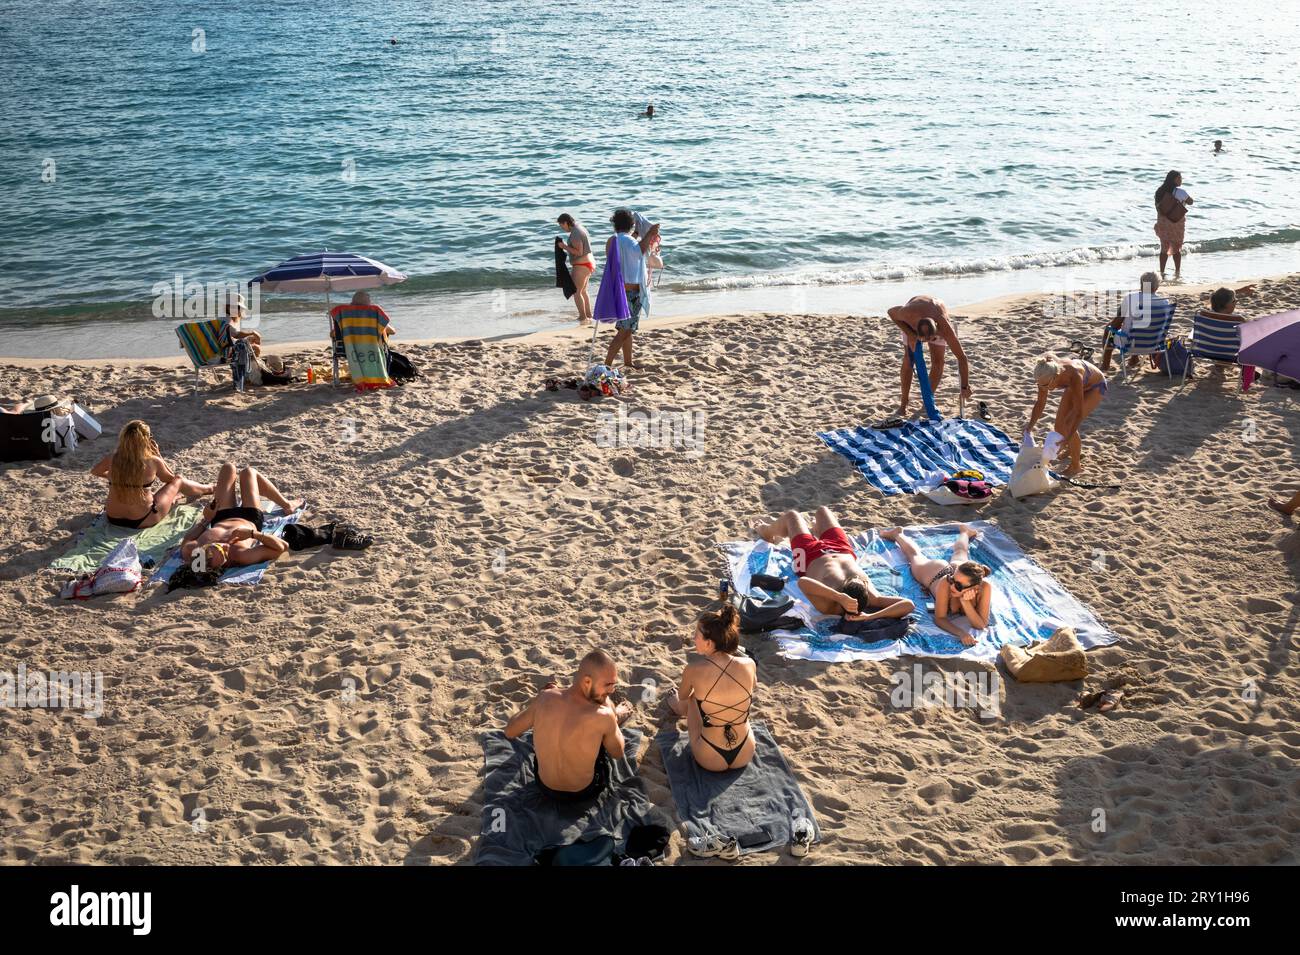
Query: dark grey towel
x: 756, y: 804
x: 519, y: 822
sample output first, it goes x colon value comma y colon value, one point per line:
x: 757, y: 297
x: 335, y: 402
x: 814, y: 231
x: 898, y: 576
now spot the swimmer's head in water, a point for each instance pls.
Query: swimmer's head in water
x: 1218, y: 145
x: 858, y: 591
x: 597, y: 677
x: 926, y: 330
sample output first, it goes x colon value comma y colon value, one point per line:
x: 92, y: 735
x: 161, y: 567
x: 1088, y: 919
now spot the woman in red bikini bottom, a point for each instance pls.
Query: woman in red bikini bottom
x: 827, y: 569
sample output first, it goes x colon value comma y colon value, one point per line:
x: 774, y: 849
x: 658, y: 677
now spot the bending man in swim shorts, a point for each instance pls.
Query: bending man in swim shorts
x: 925, y: 319
x: 827, y: 569
x: 576, y: 731
x: 230, y: 534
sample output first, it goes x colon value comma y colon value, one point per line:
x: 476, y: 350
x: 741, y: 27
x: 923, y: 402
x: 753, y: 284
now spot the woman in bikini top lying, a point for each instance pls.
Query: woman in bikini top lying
x: 958, y: 585
x: 131, y: 471
x: 717, y: 693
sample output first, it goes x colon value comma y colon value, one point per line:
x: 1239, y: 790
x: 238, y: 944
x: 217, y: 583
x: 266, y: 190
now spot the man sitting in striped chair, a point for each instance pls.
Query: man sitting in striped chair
x: 1223, y: 310
x: 363, y: 329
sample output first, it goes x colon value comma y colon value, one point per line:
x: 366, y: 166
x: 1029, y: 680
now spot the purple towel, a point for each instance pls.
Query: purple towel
x: 611, y: 299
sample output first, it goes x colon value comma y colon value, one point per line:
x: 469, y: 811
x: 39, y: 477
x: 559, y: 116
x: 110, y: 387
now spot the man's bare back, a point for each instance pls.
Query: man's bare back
x: 567, y: 736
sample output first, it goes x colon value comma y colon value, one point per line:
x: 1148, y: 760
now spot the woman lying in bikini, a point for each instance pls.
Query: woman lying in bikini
x: 230, y: 533
x: 721, y: 683
x: 131, y: 471
x: 957, y: 585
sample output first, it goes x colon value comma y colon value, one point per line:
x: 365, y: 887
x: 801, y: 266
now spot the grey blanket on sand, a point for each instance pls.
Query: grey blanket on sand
x: 756, y: 804
x: 519, y: 822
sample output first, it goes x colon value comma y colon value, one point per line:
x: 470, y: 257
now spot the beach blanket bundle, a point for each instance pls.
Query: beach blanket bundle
x: 1030, y: 604
x: 758, y: 805
x: 520, y: 823
x: 1030, y: 474
x: 602, y: 380
x: 99, y: 539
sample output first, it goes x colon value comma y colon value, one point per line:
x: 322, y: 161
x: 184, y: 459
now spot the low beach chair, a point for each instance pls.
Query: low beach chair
x: 1217, y: 340
x: 1152, y: 339
x: 206, y: 344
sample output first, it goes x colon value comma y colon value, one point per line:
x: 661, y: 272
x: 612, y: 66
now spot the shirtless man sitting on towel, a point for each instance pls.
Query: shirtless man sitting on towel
x: 827, y: 571
x: 230, y: 534
x: 575, y: 731
x: 925, y: 319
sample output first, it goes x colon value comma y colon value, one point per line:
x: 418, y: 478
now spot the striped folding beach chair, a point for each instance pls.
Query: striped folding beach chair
x: 206, y: 343
x: 1217, y: 340
x: 1149, y: 339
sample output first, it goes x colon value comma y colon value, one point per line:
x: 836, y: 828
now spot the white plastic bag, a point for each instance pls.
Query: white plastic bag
x: 120, y: 571
x: 1030, y: 474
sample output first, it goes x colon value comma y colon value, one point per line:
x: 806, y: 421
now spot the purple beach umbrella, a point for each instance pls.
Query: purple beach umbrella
x: 1272, y: 342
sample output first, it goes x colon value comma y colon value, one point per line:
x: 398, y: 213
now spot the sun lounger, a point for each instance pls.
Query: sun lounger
x: 1149, y: 339
x: 206, y: 343
x: 1217, y: 340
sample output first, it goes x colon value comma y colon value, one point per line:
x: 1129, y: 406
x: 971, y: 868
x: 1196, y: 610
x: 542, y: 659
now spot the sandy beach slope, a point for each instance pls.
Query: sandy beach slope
x: 509, y: 543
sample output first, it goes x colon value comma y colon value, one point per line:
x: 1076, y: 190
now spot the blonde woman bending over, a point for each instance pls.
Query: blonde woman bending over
x: 131, y: 471
x: 1083, y: 386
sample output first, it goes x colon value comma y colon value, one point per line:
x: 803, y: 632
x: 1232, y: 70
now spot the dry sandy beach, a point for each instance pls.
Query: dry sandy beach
x: 509, y: 543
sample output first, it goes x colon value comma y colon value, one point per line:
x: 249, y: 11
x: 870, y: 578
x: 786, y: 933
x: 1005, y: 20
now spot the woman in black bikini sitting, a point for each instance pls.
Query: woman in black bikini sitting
x: 131, y: 471
x: 722, y: 684
x: 957, y: 585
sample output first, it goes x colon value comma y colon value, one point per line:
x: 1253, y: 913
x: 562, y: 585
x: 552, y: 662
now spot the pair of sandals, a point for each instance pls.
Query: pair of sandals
x: 345, y: 536
x: 1105, y: 701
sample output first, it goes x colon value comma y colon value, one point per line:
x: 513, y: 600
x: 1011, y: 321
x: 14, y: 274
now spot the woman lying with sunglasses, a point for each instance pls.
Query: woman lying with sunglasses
x: 958, y: 585
x: 230, y: 534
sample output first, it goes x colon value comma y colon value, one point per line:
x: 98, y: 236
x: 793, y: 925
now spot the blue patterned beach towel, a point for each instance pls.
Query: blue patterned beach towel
x: 898, y: 460
x: 1030, y: 604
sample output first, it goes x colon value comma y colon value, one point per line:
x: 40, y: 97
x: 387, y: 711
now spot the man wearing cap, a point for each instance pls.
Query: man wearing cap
x: 230, y: 325
x: 632, y: 256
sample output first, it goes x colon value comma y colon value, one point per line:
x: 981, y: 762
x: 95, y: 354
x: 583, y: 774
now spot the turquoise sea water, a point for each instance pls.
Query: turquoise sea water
x: 796, y: 145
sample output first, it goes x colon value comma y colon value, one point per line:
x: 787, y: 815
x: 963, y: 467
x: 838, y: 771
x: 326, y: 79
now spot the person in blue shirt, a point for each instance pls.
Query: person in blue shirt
x: 636, y: 282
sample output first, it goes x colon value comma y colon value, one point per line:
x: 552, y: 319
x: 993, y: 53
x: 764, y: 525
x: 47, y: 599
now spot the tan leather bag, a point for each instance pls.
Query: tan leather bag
x: 1059, y: 660
x: 1171, y: 208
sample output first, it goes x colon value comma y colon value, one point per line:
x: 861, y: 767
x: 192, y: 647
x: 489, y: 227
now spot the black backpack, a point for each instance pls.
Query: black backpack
x: 400, y: 367
x: 767, y: 614
x: 881, y: 628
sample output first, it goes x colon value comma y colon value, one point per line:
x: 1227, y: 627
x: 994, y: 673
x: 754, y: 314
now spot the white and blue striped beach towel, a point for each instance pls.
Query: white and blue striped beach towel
x: 898, y: 460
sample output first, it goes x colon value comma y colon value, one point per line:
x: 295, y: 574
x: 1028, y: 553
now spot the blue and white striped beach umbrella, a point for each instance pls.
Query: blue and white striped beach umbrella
x: 328, y: 272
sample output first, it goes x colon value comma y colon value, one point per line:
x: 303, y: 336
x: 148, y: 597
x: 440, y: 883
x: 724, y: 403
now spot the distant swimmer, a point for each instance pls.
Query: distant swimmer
x: 925, y: 319
x: 393, y: 41
x: 1218, y: 146
x: 649, y: 112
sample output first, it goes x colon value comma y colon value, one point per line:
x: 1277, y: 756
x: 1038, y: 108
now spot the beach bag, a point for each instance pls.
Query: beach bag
x: 400, y: 368
x: 1172, y: 209
x: 22, y: 437
x: 64, y: 432
x: 242, y: 365
x: 1176, y: 359
x: 85, y: 423
x: 1029, y: 475
x: 1059, y: 660
x: 120, y: 571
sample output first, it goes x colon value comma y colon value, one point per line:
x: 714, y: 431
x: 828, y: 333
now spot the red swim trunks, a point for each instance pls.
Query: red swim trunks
x: 808, y: 548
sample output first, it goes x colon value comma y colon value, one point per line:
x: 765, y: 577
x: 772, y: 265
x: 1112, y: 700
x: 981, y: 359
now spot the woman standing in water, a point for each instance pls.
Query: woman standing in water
x: 1172, y: 201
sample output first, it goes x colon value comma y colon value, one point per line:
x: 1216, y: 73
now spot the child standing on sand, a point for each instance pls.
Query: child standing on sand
x: 636, y: 283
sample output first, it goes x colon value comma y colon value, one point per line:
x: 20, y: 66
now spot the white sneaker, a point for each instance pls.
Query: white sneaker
x: 714, y: 847
x: 802, y: 837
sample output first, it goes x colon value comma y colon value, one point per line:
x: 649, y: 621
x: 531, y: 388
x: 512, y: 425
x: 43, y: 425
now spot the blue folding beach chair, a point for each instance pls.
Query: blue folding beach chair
x: 1216, y: 340
x: 1151, y: 338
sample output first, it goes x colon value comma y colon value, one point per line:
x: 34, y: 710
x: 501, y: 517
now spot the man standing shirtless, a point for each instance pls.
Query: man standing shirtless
x: 575, y: 731
x: 925, y: 319
x: 827, y: 569
x: 230, y: 534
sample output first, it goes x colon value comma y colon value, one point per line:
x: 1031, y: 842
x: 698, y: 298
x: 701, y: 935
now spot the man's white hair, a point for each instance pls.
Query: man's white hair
x: 361, y: 297
x: 1150, y: 281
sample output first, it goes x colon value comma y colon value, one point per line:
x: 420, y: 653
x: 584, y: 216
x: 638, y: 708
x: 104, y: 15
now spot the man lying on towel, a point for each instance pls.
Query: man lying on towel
x: 576, y: 731
x: 230, y: 534
x: 827, y: 570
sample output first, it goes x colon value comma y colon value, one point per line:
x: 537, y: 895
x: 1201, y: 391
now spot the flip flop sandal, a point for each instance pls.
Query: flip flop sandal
x: 984, y: 411
x: 1110, y: 700
x: 890, y: 423
x: 1088, y: 700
